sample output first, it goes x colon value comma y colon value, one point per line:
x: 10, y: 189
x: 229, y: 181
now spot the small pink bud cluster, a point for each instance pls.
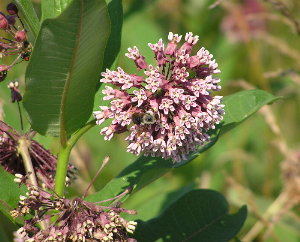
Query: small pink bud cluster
x: 170, y: 108
x: 15, y: 40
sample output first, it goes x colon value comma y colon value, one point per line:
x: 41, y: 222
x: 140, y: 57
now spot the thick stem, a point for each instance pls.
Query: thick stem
x: 23, y: 150
x: 61, y: 170
x: 63, y: 158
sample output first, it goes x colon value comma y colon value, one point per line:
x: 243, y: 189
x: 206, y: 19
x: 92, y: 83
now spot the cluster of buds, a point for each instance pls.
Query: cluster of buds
x: 70, y: 220
x: 14, y: 42
x: 44, y: 163
x: 170, y: 108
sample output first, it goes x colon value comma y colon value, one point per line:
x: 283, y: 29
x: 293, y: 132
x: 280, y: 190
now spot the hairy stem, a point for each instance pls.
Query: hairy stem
x: 23, y: 146
x: 63, y: 158
x: 23, y: 149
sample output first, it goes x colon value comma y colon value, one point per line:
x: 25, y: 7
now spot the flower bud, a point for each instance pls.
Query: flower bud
x: 20, y: 36
x: 11, y: 19
x: 12, y: 9
x: 3, y: 21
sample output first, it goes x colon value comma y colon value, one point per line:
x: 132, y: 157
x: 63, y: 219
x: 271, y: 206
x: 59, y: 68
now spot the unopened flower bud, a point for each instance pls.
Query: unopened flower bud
x: 3, y: 21
x: 12, y: 9
x: 130, y: 226
x: 20, y: 36
x: 18, y: 178
x: 11, y: 19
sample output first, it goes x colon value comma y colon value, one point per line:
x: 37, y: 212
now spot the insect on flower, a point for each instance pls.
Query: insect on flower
x: 144, y: 118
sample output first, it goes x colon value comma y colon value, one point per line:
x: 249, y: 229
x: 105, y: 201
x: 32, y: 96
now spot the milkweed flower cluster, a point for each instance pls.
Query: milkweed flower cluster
x: 170, y: 108
x: 72, y: 220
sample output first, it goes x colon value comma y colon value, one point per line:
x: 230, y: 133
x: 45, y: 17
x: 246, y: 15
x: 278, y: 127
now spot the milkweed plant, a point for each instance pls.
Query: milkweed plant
x: 170, y: 108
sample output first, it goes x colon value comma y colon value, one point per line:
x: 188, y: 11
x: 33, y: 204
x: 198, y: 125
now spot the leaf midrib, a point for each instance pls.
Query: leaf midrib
x: 205, y: 227
x: 63, y: 137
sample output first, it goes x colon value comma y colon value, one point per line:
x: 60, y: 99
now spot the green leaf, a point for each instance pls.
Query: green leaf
x: 29, y: 13
x: 65, y: 67
x: 238, y: 107
x: 200, y: 215
x: 241, y: 105
x: 9, y: 192
x: 115, y: 11
x: 3, y: 236
x: 152, y: 202
x: 53, y: 8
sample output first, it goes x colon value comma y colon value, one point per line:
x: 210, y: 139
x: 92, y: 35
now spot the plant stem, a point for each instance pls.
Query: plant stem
x: 23, y: 146
x: 20, y: 115
x: 63, y: 158
x: 81, y: 131
x: 274, y: 208
x: 61, y: 170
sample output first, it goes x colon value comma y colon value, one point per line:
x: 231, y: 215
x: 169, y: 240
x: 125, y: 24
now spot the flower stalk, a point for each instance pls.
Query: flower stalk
x: 23, y: 146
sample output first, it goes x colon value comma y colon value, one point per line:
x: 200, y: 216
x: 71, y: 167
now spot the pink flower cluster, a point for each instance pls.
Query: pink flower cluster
x: 170, y: 108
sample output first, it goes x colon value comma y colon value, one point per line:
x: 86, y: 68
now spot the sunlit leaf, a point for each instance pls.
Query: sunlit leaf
x: 53, y: 8
x: 64, y: 70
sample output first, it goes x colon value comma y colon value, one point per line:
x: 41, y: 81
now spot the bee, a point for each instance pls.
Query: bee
x: 159, y: 93
x: 144, y: 118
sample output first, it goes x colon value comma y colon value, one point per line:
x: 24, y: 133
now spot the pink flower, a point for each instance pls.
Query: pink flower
x: 169, y: 110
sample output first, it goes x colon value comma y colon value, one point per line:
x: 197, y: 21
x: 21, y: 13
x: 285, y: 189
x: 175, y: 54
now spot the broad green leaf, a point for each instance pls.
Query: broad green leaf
x: 53, y: 8
x: 26, y: 7
x: 144, y: 170
x: 9, y: 192
x: 65, y: 66
x: 200, y: 215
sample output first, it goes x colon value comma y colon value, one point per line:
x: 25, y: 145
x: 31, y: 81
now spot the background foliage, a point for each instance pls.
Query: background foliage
x: 245, y: 164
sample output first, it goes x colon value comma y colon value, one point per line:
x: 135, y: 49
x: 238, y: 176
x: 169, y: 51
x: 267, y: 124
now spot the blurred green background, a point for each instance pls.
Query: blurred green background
x: 256, y: 44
